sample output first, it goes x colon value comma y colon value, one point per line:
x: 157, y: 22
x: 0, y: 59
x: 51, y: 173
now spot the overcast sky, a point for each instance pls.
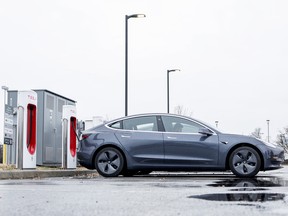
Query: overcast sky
x: 233, y: 57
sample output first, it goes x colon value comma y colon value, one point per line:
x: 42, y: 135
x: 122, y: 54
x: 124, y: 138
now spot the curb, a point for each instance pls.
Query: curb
x: 30, y: 174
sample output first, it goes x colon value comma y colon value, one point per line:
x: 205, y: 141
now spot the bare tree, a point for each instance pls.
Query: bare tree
x: 180, y: 110
x: 257, y: 133
x: 282, y: 139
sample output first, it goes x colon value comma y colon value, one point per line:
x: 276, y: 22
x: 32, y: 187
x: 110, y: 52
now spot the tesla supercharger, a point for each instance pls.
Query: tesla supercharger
x: 69, y: 137
x: 26, y: 130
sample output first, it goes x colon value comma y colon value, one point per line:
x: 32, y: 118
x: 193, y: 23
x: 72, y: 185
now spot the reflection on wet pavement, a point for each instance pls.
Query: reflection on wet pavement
x: 249, y: 197
x: 246, y: 185
x: 252, y: 182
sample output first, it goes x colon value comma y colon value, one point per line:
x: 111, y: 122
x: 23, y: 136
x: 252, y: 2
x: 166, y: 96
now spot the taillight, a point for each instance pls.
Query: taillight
x: 85, y: 136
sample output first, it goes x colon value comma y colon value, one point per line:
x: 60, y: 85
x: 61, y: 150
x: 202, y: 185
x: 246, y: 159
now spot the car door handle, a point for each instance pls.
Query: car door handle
x: 125, y: 136
x: 168, y: 137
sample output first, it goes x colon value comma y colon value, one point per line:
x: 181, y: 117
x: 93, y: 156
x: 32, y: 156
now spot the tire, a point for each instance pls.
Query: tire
x: 245, y: 162
x: 109, y: 162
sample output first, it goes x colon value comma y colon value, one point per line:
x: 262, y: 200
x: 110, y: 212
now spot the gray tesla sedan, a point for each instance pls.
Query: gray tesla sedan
x: 140, y: 144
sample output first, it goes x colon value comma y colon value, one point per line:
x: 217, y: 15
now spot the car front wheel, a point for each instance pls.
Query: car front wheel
x: 245, y: 162
x: 109, y: 162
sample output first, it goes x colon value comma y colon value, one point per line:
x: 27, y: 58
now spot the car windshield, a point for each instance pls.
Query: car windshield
x: 212, y: 127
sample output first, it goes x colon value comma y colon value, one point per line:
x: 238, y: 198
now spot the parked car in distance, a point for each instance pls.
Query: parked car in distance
x: 143, y: 143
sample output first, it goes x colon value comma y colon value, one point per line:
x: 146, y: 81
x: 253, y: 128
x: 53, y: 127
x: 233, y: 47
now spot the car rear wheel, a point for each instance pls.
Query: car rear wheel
x: 109, y: 162
x: 245, y: 162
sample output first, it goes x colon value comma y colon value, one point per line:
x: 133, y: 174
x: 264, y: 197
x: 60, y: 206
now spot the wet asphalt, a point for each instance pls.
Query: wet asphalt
x: 155, y: 194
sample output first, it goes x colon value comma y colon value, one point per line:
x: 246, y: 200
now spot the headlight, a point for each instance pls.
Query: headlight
x: 269, y: 144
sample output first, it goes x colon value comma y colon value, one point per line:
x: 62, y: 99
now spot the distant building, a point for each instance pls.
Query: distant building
x: 96, y: 120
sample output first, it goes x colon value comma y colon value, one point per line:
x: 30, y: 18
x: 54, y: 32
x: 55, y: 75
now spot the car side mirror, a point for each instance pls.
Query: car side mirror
x: 205, y: 131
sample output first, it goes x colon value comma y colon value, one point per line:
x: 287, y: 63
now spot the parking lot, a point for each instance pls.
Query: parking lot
x: 155, y: 194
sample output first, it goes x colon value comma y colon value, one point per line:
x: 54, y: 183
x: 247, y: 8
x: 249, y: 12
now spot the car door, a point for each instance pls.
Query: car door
x: 185, y: 147
x: 141, y: 139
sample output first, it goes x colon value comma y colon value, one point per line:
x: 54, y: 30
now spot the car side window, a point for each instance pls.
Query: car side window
x: 116, y: 125
x: 180, y: 125
x: 146, y: 123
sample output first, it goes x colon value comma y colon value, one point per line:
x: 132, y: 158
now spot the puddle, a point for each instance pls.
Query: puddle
x: 252, y: 182
x: 244, y: 197
x: 249, y: 189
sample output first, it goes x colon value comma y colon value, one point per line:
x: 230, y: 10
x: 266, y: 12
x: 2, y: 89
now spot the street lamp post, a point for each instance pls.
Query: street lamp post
x: 126, y: 56
x: 168, y: 72
x: 5, y: 88
x: 268, y: 121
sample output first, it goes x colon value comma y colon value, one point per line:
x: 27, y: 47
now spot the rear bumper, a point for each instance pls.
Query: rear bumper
x: 85, y: 160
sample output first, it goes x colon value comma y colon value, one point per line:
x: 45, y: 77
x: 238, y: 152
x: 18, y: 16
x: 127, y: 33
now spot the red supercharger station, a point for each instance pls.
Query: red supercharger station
x: 26, y: 129
x: 69, y: 137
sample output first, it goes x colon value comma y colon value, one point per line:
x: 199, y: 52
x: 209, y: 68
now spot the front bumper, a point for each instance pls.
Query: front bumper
x: 274, y: 157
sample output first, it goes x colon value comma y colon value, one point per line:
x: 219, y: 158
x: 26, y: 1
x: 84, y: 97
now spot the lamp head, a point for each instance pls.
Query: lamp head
x: 135, y: 16
x: 173, y: 70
